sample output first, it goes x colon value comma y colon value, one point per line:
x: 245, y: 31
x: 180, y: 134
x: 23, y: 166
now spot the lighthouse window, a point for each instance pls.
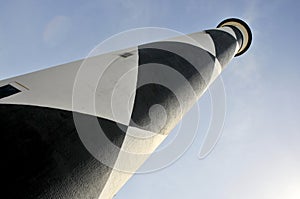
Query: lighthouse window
x: 125, y: 55
x: 8, y: 90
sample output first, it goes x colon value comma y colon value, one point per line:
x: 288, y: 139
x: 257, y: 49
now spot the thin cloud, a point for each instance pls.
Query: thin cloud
x: 56, y: 30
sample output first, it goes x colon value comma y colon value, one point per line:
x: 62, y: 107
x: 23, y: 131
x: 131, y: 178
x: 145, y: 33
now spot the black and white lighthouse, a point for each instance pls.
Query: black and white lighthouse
x: 64, y: 129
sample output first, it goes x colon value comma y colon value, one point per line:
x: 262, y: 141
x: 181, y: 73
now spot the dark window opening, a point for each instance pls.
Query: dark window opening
x: 125, y: 55
x: 8, y: 90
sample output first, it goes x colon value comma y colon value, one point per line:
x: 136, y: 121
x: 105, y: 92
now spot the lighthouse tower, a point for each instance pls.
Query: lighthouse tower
x: 81, y: 129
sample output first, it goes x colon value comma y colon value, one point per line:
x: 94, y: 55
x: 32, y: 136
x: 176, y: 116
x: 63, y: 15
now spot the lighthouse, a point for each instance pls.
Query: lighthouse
x: 81, y: 129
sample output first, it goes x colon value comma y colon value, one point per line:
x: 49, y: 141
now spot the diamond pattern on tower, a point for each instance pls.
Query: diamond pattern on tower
x: 225, y: 45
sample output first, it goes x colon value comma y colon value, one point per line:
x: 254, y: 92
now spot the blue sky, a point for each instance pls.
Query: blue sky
x: 258, y: 155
